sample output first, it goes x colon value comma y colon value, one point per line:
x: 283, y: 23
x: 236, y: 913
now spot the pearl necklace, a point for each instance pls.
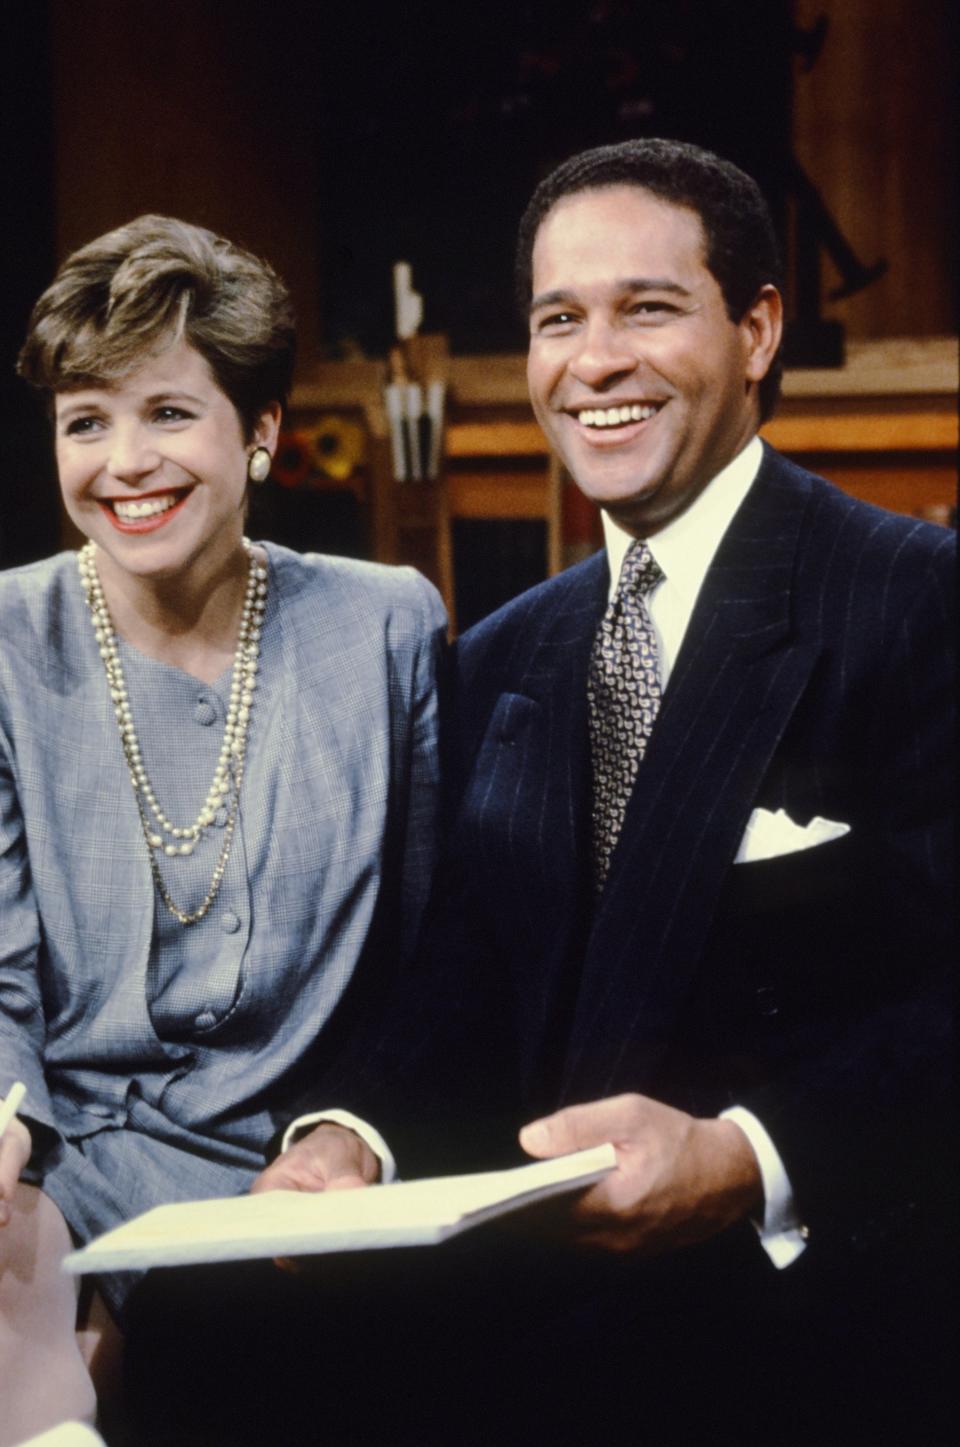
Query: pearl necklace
x: 161, y: 835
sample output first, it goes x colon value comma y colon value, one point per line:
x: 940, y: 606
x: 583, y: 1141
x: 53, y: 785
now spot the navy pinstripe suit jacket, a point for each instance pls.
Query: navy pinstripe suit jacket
x: 815, y: 676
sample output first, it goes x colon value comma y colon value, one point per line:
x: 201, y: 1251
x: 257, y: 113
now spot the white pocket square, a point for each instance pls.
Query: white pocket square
x: 769, y: 835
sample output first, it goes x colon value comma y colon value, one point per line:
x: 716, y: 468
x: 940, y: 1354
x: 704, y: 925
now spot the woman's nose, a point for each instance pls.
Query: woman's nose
x: 132, y: 454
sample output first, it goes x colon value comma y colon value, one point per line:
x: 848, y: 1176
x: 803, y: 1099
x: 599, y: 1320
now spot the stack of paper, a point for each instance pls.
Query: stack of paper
x: 294, y: 1223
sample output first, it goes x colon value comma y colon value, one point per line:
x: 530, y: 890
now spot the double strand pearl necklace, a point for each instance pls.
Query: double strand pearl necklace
x: 161, y: 835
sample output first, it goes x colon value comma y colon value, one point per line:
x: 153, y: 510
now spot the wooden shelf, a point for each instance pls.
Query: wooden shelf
x: 480, y: 439
x: 890, y: 367
x: 884, y: 426
x: 861, y: 430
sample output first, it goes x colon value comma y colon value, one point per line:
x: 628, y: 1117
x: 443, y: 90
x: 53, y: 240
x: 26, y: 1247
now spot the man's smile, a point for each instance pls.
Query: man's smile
x: 613, y: 425
x: 615, y: 415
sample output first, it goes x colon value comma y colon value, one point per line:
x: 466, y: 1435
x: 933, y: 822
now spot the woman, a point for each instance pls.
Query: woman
x: 217, y: 783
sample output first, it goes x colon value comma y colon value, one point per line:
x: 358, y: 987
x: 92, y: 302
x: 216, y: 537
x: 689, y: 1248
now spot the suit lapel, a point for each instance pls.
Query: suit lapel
x: 527, y: 787
x: 523, y: 817
x: 737, y: 681
x: 559, y: 747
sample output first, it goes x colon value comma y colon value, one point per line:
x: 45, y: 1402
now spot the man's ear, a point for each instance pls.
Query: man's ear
x: 762, y: 327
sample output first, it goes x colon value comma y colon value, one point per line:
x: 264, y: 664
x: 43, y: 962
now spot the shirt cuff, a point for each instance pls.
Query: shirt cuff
x: 782, y: 1235
x: 366, y: 1132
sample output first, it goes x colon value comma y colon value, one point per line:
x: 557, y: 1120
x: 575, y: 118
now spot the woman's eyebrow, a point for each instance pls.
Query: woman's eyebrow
x: 71, y: 408
x: 171, y: 394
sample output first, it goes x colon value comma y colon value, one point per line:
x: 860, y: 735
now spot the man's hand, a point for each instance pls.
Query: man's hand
x: 15, y: 1150
x: 329, y: 1158
x: 678, y: 1180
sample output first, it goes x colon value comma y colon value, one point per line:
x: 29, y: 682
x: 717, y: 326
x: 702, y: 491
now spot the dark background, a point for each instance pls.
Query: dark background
x: 474, y: 104
x: 338, y: 139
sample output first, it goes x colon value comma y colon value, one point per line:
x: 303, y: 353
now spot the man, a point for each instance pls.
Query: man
x: 697, y: 865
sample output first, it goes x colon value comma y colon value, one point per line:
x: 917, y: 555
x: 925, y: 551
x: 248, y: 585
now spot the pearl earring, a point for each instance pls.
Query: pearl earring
x: 259, y: 464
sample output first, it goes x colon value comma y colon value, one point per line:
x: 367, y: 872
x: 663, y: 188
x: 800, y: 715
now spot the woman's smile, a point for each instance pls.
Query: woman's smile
x: 144, y: 513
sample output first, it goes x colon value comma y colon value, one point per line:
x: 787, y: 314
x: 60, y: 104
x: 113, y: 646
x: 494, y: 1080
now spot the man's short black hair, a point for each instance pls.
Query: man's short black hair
x: 741, y: 245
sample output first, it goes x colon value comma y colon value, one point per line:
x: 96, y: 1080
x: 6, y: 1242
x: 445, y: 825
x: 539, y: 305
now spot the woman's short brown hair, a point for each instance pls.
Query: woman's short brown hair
x: 149, y: 284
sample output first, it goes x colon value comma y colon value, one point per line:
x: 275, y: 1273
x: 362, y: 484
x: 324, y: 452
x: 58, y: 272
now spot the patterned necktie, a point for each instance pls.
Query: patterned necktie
x: 623, y: 696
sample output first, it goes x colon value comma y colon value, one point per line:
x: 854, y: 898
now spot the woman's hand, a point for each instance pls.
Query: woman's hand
x: 15, y: 1148
x: 328, y: 1158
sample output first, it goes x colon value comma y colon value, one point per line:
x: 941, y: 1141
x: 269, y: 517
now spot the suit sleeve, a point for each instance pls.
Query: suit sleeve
x: 862, y: 1125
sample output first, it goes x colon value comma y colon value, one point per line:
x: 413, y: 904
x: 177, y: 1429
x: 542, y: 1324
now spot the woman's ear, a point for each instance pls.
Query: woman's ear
x: 267, y: 427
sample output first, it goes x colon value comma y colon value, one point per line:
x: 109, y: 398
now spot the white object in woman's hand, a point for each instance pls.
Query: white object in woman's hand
x: 15, y: 1146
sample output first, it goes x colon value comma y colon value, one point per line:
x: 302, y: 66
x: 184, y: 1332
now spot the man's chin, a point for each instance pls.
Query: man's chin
x: 615, y: 496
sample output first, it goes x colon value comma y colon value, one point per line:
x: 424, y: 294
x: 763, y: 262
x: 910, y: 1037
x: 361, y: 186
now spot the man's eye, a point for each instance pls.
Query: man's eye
x: 651, y: 308
x: 556, y: 322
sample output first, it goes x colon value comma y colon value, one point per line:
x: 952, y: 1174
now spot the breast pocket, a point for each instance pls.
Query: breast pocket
x: 804, y: 878
x: 496, y: 802
x: 800, y: 937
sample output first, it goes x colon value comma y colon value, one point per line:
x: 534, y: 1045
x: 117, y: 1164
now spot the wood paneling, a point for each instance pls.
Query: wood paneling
x: 212, y: 111
x: 191, y: 109
x: 874, y: 127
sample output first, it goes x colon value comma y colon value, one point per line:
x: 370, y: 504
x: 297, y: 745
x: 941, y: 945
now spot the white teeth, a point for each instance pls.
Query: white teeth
x: 130, y: 510
x: 615, y: 416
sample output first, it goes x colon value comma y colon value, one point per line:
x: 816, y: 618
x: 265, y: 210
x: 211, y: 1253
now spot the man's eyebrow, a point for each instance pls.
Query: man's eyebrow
x: 654, y: 283
x: 553, y: 298
x: 562, y: 297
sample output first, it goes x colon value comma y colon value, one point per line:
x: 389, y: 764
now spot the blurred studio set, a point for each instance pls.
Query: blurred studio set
x: 380, y: 157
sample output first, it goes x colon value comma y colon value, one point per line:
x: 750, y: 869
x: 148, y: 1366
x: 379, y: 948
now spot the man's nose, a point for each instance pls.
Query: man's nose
x: 603, y: 356
x: 133, y: 455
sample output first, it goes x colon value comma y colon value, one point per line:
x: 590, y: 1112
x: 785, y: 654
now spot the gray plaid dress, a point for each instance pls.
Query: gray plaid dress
x: 158, y: 1058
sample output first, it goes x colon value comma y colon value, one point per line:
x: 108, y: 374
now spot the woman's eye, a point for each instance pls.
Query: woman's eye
x: 173, y: 414
x: 80, y: 426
